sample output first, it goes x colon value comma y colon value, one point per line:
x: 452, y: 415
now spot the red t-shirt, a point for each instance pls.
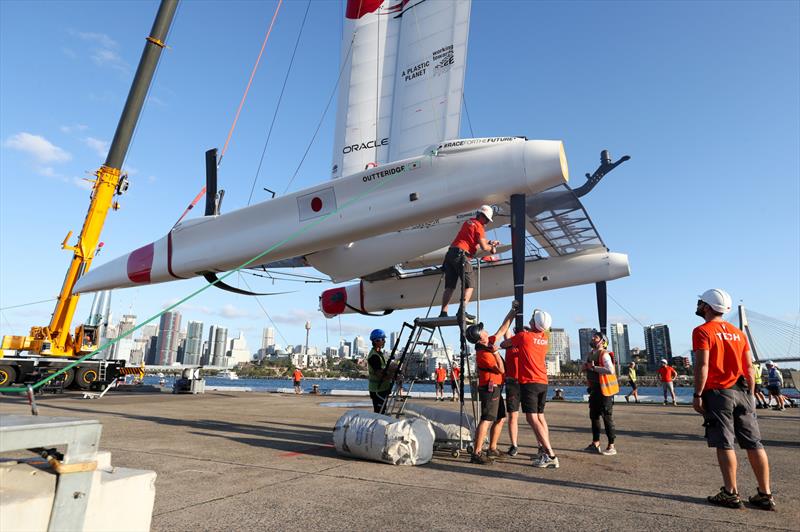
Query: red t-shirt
x: 727, y: 353
x: 469, y: 236
x: 455, y: 373
x: 441, y: 374
x: 532, y: 347
x: 485, y: 361
x: 512, y: 363
x: 297, y: 375
x: 666, y: 373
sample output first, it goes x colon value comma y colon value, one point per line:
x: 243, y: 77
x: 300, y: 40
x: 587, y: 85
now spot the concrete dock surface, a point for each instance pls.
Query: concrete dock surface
x: 248, y: 461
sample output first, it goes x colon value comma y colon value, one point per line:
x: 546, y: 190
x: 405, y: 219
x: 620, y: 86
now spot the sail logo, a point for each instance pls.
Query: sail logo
x: 728, y: 337
x: 443, y: 58
x: 365, y: 145
x: 416, y: 71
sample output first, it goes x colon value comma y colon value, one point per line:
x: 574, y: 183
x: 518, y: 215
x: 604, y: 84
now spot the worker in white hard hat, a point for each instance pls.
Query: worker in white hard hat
x: 532, y: 345
x: 470, y: 238
x: 724, y: 383
x: 774, y: 385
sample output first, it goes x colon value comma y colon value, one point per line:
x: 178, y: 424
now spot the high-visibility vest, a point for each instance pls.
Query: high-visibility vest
x: 608, y: 381
x: 376, y: 382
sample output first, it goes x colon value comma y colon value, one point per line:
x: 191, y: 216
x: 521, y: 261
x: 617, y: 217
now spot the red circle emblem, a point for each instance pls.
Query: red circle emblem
x: 316, y: 204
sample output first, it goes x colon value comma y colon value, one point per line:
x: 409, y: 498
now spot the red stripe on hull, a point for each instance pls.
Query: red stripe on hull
x: 140, y: 263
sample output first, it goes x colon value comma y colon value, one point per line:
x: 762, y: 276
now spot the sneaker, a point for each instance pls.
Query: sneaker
x: 763, y: 501
x: 513, y: 450
x: 593, y: 449
x: 665, y: 403
x: 496, y: 454
x: 481, y: 459
x: 610, y: 452
x: 443, y: 314
x: 546, y: 462
x: 627, y: 399
x: 674, y: 403
x: 728, y: 500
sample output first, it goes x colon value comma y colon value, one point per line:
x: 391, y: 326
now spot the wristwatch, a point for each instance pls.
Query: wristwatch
x: 697, y: 396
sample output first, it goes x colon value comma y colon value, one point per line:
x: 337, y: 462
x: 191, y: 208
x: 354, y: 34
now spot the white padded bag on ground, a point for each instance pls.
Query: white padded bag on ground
x: 383, y: 438
x: 446, y: 423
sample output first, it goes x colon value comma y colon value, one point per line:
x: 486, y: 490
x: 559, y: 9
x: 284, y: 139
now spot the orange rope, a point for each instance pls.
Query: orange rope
x: 239, y: 110
x: 250, y: 82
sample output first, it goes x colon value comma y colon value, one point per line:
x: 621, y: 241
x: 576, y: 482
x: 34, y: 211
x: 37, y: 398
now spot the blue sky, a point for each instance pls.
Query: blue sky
x: 705, y: 97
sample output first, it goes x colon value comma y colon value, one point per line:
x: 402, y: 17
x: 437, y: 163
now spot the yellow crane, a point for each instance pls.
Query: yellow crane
x: 53, y: 347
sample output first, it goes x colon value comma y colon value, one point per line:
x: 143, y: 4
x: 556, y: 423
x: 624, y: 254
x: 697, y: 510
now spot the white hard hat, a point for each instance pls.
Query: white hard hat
x: 663, y: 360
x: 717, y: 299
x: 486, y: 211
x: 541, y: 320
x: 769, y: 363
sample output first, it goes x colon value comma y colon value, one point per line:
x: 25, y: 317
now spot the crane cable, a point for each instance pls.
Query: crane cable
x: 238, y: 110
x: 278, y: 105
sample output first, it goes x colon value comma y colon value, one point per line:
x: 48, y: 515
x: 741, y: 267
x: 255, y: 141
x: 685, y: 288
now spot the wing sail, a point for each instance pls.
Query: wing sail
x: 402, y: 78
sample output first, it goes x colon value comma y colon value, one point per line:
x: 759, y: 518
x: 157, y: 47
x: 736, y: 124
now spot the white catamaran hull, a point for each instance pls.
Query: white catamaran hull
x: 420, y: 291
x: 458, y: 176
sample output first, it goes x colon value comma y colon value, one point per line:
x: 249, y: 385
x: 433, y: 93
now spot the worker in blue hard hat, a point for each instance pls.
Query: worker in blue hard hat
x: 380, y: 371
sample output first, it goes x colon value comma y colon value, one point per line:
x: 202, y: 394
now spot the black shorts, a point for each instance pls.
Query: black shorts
x: 492, y: 406
x: 533, y: 396
x: 296, y: 384
x: 452, y: 268
x: 439, y: 385
x: 774, y: 390
x: 634, y: 385
x: 512, y: 395
x: 454, y: 384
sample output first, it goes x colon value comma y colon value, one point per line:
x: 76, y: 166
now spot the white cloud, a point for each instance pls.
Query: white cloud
x: 109, y: 58
x: 42, y: 150
x: 73, y: 128
x: 100, y: 38
x: 151, y: 179
x: 232, y: 312
x: 227, y: 311
x: 82, y: 183
x: 296, y: 316
x: 99, y: 146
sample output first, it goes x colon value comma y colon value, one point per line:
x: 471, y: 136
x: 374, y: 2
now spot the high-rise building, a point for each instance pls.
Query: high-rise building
x: 392, y: 340
x: 359, y: 346
x: 194, y: 344
x: 620, y: 343
x: 239, y: 352
x: 584, y: 339
x: 656, y: 339
x: 558, y: 345
x: 220, y: 347
x: 168, y: 338
x: 267, y: 338
x: 208, y: 350
x: 122, y: 349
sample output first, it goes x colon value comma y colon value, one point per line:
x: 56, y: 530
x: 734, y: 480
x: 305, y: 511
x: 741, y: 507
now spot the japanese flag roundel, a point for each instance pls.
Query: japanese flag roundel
x: 316, y: 204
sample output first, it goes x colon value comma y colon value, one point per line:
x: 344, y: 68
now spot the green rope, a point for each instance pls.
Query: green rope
x: 286, y: 240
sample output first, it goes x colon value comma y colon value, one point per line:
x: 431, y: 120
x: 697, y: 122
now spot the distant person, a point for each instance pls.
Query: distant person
x: 512, y: 395
x: 470, y: 238
x: 667, y: 374
x: 532, y: 376
x: 558, y: 394
x: 601, y: 376
x: 724, y: 382
x: 632, y: 380
x: 761, y: 401
x: 490, y: 384
x: 774, y: 385
x: 455, y: 375
x: 380, y: 371
x: 297, y: 377
x: 441, y: 375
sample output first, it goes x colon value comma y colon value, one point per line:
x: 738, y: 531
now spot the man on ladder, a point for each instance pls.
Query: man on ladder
x: 380, y: 371
x: 470, y: 237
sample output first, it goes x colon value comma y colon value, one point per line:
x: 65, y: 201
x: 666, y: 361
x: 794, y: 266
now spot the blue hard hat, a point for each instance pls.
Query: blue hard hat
x: 377, y: 334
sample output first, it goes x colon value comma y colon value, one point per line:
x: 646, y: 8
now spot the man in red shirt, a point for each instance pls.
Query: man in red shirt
x: 441, y: 375
x: 532, y: 376
x: 666, y: 374
x: 455, y: 374
x: 490, y: 384
x: 469, y: 239
x: 724, y: 383
x: 512, y: 395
